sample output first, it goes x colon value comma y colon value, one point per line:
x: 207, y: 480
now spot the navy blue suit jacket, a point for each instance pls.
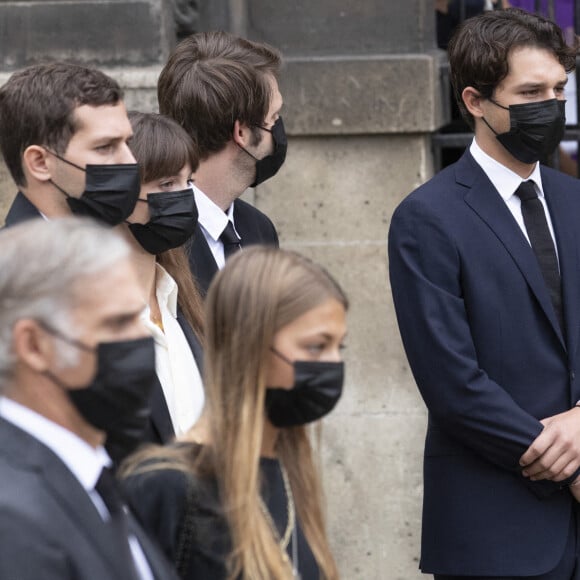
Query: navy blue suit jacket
x: 253, y: 226
x: 491, y: 361
x: 160, y: 428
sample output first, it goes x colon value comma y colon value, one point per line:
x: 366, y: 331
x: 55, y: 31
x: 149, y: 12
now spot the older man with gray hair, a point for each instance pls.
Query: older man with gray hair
x: 75, y: 365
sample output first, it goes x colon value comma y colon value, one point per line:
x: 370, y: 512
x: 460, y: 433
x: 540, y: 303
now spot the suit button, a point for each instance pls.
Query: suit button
x: 572, y: 375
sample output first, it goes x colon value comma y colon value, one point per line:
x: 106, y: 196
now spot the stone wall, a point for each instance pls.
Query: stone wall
x: 99, y: 32
x: 362, y: 96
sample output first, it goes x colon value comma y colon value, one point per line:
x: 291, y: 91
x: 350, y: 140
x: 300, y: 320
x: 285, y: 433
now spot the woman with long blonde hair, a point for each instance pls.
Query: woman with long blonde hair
x: 242, y: 497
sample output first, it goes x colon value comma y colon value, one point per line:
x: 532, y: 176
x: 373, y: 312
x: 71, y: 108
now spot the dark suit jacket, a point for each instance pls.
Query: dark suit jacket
x: 160, y: 429
x: 49, y: 527
x: 252, y: 225
x: 20, y: 210
x: 490, y: 360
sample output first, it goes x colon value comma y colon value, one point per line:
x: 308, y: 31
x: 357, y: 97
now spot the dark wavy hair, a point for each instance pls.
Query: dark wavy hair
x: 479, y: 49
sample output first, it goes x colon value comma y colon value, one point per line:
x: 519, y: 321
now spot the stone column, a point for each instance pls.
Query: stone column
x: 362, y: 96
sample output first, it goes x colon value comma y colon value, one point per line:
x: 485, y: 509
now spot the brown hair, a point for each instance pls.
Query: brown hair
x: 162, y: 148
x: 213, y: 79
x: 160, y: 145
x: 259, y: 291
x: 37, y: 107
x: 479, y: 49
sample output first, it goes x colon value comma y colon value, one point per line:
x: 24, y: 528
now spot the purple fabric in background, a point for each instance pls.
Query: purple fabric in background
x: 563, y: 11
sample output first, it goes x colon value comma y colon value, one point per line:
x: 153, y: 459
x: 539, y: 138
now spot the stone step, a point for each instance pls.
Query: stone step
x: 98, y: 32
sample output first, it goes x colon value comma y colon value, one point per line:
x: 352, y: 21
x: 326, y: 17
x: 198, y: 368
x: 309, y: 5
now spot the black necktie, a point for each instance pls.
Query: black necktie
x: 230, y: 240
x: 542, y: 243
x: 107, y: 488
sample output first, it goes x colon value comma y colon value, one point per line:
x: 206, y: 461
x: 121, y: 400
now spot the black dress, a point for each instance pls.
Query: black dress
x: 159, y: 496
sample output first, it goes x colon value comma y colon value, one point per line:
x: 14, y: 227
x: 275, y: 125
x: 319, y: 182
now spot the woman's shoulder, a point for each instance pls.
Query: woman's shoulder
x: 166, y: 479
x: 166, y: 474
x: 161, y: 491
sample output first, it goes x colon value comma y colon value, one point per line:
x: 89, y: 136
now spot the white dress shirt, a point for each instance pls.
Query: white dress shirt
x: 507, y: 182
x: 82, y: 460
x: 175, y: 365
x: 213, y: 221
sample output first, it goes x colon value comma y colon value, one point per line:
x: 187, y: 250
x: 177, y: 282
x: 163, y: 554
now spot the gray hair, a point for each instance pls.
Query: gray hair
x: 40, y: 263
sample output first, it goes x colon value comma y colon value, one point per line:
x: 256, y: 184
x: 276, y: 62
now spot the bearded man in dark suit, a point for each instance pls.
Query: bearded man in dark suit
x: 223, y: 91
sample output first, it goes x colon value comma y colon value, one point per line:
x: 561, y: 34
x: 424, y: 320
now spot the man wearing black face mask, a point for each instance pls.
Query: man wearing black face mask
x: 223, y: 91
x: 76, y: 368
x: 486, y: 284
x: 63, y: 136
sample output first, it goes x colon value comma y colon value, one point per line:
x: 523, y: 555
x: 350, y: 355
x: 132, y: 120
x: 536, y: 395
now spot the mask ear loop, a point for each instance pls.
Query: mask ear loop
x: 498, y: 105
x: 245, y: 150
x: 64, y: 337
x: 69, y: 163
x: 485, y: 120
x: 65, y: 160
x: 280, y: 355
x: 490, y: 127
x: 72, y: 341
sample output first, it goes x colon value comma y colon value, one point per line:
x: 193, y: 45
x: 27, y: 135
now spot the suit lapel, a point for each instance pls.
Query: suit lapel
x: 58, y: 481
x: 79, y: 507
x: 159, y: 565
x: 192, y: 340
x: 564, y: 219
x: 201, y: 260
x: 160, y: 418
x: 483, y: 198
x: 20, y: 210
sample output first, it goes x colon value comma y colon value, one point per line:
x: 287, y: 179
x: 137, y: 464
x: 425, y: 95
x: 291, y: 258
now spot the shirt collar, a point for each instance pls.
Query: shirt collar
x: 211, y: 217
x: 85, y: 462
x: 503, y: 179
x: 166, y: 290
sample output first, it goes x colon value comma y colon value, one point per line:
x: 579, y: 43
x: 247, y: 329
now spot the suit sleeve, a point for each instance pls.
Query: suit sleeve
x: 425, y: 275
x: 273, y: 234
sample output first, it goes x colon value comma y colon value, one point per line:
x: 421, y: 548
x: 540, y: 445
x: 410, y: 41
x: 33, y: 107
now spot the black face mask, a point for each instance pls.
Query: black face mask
x: 111, y: 191
x: 269, y: 165
x: 535, y: 129
x: 117, y: 399
x: 172, y: 221
x: 317, y: 388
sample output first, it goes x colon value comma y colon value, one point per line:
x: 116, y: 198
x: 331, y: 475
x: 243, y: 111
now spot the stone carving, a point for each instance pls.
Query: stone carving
x: 186, y: 17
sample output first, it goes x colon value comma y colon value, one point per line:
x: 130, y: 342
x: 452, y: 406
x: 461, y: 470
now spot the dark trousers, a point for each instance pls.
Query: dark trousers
x: 567, y: 569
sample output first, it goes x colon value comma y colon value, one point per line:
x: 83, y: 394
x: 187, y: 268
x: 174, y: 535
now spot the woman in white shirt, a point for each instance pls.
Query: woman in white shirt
x: 163, y: 220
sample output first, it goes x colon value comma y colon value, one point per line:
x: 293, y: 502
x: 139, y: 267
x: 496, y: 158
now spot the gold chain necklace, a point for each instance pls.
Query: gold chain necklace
x: 290, y: 513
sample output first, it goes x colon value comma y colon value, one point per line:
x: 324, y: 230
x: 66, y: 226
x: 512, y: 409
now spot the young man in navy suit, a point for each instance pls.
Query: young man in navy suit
x: 223, y: 91
x: 485, y: 274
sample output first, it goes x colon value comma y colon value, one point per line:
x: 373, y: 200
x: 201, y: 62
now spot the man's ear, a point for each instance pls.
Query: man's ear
x: 472, y: 100
x: 242, y: 134
x: 35, y: 163
x: 32, y: 346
